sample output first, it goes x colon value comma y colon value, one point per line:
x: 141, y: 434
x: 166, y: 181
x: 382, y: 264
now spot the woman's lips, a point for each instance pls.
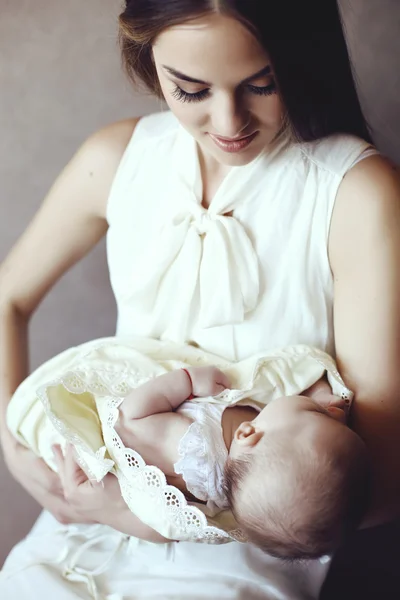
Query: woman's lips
x: 233, y: 145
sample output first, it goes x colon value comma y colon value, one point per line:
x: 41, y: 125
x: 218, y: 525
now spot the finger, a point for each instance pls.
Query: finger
x: 47, y: 479
x: 223, y: 380
x: 34, y: 471
x: 60, y: 464
x: 218, y: 389
x: 39, y: 473
x: 74, y: 474
x: 220, y: 378
x: 45, y: 486
x: 56, y: 505
x: 337, y: 413
x: 327, y: 399
x: 335, y: 401
x: 31, y: 471
x: 111, y: 483
x: 60, y: 509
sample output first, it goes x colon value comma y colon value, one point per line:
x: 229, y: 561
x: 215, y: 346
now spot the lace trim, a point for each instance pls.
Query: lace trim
x: 233, y: 396
x: 203, y: 456
x: 186, y: 450
x: 133, y: 473
x: 93, y: 462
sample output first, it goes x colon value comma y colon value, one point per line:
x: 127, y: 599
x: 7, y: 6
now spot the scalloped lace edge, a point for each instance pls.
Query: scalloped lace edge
x: 129, y: 466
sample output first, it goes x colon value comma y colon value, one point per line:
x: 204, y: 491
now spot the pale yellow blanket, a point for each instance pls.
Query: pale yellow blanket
x: 74, y: 398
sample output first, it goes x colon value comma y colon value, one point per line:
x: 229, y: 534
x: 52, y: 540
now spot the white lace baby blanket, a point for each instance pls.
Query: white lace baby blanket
x: 75, y: 396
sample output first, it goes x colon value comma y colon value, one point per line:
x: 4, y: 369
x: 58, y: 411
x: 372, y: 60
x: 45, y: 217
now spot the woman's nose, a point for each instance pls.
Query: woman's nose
x: 229, y: 117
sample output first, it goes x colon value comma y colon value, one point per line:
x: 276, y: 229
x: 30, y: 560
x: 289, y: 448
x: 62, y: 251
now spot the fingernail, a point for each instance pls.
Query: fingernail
x: 56, y: 454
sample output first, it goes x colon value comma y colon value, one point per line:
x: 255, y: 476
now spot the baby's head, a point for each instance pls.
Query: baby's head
x: 297, y: 479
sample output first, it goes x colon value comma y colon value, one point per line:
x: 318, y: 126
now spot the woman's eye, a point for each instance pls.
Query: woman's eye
x: 180, y: 94
x: 265, y: 90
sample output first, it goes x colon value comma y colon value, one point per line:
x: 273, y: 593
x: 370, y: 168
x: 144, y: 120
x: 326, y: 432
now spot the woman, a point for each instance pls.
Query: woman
x: 254, y: 215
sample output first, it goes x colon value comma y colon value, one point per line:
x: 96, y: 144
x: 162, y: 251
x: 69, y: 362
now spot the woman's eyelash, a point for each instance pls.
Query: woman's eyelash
x: 183, y: 96
x: 266, y: 90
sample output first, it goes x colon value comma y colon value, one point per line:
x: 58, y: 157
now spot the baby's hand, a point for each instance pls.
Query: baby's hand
x: 321, y: 393
x: 207, y: 381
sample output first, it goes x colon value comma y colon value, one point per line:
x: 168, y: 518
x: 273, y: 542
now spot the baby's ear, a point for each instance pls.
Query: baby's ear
x: 246, y: 435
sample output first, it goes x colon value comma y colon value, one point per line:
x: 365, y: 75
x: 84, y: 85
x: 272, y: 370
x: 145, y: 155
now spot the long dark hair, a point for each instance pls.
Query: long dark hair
x: 304, y: 39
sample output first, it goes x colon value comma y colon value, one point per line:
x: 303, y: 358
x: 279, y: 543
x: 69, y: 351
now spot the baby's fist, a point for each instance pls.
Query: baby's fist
x: 207, y: 381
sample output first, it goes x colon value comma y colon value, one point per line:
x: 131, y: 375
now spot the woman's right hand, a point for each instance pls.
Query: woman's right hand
x: 38, y: 480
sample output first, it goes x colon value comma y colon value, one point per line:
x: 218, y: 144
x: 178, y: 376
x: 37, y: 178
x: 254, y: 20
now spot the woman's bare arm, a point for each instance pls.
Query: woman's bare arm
x: 365, y: 258
x: 70, y: 222
x: 67, y: 226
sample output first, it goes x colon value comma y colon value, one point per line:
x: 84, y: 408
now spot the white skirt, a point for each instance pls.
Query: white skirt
x: 94, y: 562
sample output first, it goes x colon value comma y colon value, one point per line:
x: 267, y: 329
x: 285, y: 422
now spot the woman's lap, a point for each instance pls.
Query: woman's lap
x: 142, y: 570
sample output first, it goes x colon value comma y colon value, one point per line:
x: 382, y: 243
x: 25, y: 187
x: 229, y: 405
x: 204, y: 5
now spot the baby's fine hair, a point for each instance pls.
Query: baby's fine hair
x: 295, y: 503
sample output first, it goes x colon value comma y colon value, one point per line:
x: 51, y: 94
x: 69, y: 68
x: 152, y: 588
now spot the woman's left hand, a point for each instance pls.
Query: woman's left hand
x: 102, y: 502
x: 98, y: 502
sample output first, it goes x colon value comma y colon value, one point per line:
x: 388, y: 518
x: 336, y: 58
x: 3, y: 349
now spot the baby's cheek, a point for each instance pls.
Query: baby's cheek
x: 319, y: 391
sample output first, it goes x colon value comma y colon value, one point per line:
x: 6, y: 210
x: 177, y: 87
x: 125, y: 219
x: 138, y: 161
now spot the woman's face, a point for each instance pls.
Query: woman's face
x: 218, y: 81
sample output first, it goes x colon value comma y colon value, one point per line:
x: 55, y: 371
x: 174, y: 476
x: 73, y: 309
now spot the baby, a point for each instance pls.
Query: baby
x: 247, y: 458
x: 294, y: 475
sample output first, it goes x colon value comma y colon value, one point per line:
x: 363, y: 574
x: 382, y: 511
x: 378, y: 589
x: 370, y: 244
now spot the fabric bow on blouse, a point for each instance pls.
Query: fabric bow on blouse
x: 204, y: 262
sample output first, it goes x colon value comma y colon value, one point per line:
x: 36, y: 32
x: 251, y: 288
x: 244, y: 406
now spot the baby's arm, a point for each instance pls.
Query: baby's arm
x: 166, y: 392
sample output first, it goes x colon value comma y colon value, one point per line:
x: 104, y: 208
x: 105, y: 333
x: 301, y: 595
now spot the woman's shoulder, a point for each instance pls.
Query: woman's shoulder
x: 367, y: 204
x: 335, y: 153
x: 371, y: 185
x: 112, y: 140
x: 102, y: 150
x: 157, y: 126
x: 107, y: 149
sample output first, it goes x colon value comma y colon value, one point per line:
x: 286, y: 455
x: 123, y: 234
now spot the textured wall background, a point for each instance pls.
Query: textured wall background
x: 60, y: 80
x: 373, y: 33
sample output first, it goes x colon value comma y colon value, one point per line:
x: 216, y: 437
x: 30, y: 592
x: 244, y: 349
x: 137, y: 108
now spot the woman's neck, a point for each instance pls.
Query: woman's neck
x: 212, y: 174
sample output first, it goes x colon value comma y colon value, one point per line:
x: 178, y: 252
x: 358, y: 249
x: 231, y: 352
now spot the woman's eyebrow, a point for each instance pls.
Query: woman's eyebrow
x: 264, y: 71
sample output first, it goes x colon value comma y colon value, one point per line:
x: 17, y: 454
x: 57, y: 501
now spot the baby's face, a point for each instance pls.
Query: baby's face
x: 299, y: 416
x: 283, y: 411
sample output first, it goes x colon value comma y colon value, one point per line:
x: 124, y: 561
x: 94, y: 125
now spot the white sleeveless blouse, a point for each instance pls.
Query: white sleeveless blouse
x: 235, y: 285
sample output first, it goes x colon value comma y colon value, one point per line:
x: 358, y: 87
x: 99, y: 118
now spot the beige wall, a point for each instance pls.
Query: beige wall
x: 60, y: 80
x: 373, y: 28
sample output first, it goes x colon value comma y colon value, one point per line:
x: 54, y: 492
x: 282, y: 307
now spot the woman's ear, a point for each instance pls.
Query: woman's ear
x: 246, y: 435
